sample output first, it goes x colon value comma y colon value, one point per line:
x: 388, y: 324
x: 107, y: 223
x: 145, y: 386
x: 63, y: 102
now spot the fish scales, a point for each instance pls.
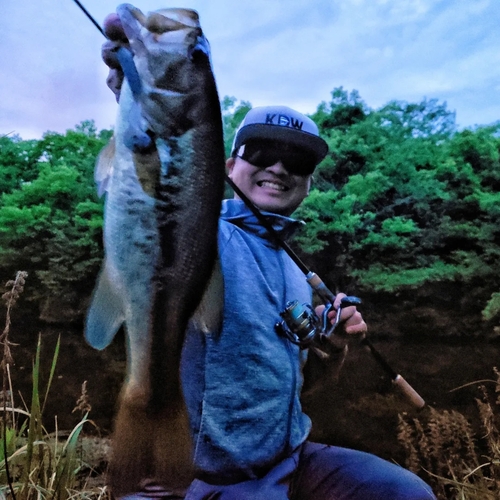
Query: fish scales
x: 160, y: 237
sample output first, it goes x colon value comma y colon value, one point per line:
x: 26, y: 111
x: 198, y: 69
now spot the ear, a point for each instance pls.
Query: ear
x: 229, y: 165
x: 310, y: 182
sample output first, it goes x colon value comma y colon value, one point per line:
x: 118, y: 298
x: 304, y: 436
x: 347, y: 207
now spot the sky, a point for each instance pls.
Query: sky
x: 287, y: 52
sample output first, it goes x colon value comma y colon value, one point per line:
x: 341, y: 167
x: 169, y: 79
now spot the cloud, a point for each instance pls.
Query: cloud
x: 266, y: 52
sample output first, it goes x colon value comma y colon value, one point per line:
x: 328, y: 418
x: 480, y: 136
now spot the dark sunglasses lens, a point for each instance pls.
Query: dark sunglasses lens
x: 299, y: 164
x: 262, y: 155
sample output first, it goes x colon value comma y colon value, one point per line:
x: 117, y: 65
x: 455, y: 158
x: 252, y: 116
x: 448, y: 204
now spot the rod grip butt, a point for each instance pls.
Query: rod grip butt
x: 409, y: 391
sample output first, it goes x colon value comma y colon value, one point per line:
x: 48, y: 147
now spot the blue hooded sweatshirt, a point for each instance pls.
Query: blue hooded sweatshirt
x: 242, y: 384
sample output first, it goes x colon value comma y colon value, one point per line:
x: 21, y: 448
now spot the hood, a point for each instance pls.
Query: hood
x: 236, y: 212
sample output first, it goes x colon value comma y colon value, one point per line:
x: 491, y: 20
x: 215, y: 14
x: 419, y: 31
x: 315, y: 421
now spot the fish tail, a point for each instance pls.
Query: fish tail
x: 151, y: 446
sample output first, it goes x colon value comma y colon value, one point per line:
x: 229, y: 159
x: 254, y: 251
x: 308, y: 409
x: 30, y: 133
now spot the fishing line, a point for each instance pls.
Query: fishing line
x: 92, y: 20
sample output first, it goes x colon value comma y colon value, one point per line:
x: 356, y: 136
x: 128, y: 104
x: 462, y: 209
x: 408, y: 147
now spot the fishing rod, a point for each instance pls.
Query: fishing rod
x: 294, y: 312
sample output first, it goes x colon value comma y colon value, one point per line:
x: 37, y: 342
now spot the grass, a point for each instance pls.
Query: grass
x: 35, y: 464
x: 459, y: 459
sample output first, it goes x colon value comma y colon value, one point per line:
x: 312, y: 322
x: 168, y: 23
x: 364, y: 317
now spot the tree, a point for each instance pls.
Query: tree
x: 402, y: 202
x: 403, y: 199
x: 345, y: 109
x: 51, y: 225
x: 232, y: 115
x: 18, y: 161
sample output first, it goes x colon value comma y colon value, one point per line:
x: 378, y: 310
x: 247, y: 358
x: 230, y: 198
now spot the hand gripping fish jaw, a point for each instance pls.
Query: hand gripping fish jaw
x: 140, y: 137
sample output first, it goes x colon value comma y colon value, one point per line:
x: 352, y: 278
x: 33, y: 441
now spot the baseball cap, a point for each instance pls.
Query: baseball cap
x: 281, y: 123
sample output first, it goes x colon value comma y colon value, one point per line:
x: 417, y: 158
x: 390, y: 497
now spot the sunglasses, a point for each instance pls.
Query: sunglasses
x: 263, y: 154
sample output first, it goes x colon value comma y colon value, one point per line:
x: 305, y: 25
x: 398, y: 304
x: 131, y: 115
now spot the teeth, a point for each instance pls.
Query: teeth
x: 273, y: 185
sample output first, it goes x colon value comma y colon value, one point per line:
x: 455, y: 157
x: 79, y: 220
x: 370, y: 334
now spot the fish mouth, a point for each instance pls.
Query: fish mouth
x: 158, y: 23
x: 165, y: 20
x: 277, y: 186
x: 172, y: 19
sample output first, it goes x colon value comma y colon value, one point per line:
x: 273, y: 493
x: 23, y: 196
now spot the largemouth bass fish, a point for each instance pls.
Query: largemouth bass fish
x: 163, y: 174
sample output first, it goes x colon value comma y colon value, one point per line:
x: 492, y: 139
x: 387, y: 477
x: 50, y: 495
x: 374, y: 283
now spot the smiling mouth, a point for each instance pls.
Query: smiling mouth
x: 272, y: 185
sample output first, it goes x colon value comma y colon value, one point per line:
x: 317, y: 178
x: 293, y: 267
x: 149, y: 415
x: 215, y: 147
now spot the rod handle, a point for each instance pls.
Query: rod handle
x: 409, y: 391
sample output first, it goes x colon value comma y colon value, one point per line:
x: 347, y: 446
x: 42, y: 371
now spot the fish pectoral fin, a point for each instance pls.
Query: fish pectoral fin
x: 208, y: 314
x: 106, y: 313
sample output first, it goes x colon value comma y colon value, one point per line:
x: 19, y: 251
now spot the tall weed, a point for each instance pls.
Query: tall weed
x: 34, y: 464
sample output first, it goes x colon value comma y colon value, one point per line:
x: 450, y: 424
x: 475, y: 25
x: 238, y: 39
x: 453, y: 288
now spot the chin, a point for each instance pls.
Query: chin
x: 277, y: 210
x: 274, y: 206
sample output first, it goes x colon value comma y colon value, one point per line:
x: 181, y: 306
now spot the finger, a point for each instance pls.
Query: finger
x: 354, y: 323
x: 319, y: 309
x: 114, y: 81
x: 359, y: 328
x: 338, y: 300
x: 113, y: 29
x: 347, y: 312
x: 109, y: 54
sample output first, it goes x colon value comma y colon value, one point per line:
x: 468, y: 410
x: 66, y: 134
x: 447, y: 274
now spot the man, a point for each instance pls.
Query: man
x: 242, y: 384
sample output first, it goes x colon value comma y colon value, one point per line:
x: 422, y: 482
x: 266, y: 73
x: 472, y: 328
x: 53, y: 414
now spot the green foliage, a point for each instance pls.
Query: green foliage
x: 51, y: 221
x: 403, y: 199
x: 492, y: 308
x: 232, y: 115
x: 18, y: 160
x: 341, y: 112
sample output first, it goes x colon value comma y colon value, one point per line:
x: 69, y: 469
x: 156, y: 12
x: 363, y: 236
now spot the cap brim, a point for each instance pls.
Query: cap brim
x: 316, y: 145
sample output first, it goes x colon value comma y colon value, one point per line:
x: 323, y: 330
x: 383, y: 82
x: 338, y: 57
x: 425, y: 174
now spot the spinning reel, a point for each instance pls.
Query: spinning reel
x: 302, y: 326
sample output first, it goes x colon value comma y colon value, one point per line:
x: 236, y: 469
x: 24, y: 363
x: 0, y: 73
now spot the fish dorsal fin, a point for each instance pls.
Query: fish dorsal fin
x: 208, y: 314
x: 104, y: 166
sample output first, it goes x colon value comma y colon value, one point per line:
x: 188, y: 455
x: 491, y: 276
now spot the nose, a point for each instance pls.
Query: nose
x: 278, y: 168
